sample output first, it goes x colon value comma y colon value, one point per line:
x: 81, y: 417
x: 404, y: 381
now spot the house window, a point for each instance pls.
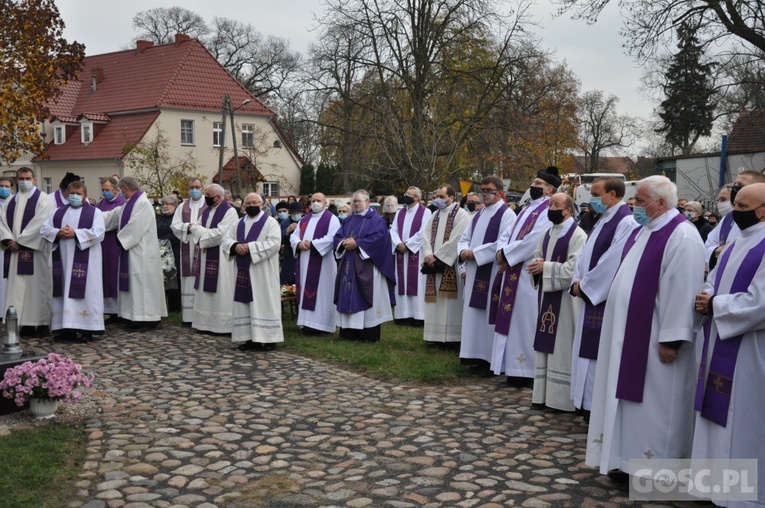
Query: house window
x: 87, y: 132
x: 270, y: 189
x: 277, y: 144
x: 48, y: 185
x: 248, y: 135
x: 187, y: 132
x: 59, y: 135
x: 217, y: 133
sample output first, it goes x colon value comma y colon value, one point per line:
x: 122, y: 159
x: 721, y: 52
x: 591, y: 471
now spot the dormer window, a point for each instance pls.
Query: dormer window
x: 277, y: 144
x: 87, y: 132
x: 59, y: 135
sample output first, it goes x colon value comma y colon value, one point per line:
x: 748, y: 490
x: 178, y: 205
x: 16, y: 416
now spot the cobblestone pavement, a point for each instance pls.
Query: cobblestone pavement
x: 188, y: 420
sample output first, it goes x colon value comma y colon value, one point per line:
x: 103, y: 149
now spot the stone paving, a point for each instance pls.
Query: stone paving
x: 188, y: 420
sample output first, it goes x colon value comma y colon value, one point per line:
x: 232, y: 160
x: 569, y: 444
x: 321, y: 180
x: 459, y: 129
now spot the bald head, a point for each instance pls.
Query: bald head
x: 253, y: 199
x: 750, y: 197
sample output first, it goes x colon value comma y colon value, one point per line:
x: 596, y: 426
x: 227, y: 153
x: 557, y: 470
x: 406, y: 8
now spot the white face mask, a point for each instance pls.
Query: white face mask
x: 26, y: 185
x: 724, y: 208
x: 317, y: 207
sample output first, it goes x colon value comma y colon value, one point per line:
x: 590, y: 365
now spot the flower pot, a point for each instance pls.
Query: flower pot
x: 43, y: 408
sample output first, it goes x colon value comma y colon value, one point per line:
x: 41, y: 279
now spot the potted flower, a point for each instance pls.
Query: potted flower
x: 45, y: 382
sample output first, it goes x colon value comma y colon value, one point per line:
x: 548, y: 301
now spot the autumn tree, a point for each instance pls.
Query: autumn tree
x: 162, y: 23
x: 36, y: 61
x: 155, y: 169
x: 601, y: 128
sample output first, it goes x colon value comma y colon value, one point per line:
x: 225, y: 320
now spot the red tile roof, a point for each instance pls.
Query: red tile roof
x: 245, y: 165
x: 109, y: 143
x: 748, y: 133
x: 181, y: 76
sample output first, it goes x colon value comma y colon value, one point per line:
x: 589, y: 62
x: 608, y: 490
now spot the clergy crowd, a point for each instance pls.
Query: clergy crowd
x: 649, y: 332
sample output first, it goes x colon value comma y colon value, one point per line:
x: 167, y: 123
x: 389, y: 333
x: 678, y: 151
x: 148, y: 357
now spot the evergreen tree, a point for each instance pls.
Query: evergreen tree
x: 687, y: 113
x: 326, y: 178
x: 307, y: 179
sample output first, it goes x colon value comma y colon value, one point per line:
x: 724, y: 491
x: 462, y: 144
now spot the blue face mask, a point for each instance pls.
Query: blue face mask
x: 342, y: 216
x: 195, y: 193
x: 597, y: 205
x: 281, y: 215
x: 296, y: 217
x: 4, y: 192
x: 75, y: 200
x: 642, y: 218
x: 108, y: 195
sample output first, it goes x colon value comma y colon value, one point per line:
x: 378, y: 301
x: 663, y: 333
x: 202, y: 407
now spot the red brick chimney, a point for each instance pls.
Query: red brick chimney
x: 180, y: 38
x: 96, y: 76
x: 142, y: 46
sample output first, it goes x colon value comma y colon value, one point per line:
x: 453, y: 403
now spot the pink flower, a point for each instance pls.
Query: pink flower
x: 55, y: 377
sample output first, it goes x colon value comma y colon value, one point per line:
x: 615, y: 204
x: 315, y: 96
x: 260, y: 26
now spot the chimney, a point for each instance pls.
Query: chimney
x: 179, y: 38
x: 96, y: 76
x: 143, y: 45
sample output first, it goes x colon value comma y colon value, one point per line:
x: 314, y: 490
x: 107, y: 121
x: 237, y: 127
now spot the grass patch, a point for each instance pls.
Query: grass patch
x: 400, y: 356
x: 40, y: 465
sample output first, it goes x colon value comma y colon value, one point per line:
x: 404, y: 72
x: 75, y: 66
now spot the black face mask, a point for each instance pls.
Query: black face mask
x: 555, y: 216
x: 733, y: 191
x: 408, y: 200
x: 535, y: 192
x: 252, y: 211
x: 471, y: 207
x: 745, y: 219
x: 210, y: 200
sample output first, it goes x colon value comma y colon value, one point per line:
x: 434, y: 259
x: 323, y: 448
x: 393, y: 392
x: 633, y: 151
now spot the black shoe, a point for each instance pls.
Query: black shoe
x: 520, y: 382
x: 41, y: 332
x: 618, y: 476
x: 249, y: 346
x: 538, y: 405
x: 269, y: 346
x: 113, y: 319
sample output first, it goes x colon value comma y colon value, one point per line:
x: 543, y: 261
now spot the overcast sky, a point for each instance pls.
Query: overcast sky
x: 593, y: 52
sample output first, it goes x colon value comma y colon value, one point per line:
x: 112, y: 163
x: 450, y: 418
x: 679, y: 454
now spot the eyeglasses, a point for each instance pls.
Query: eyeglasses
x: 489, y: 191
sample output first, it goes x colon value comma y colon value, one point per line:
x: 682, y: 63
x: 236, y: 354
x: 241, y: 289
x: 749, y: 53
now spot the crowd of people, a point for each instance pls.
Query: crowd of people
x: 646, y: 321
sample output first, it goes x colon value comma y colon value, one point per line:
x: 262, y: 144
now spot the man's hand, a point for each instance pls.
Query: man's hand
x: 719, y: 249
x: 305, y: 245
x: 350, y: 244
x: 66, y: 232
x: 13, y: 246
x: 291, y: 227
x: 430, y: 259
x: 666, y: 354
x: 575, y: 289
x: 702, y: 302
x: 467, y: 255
x: 401, y: 247
x: 536, y: 267
x: 503, y: 267
x: 242, y: 249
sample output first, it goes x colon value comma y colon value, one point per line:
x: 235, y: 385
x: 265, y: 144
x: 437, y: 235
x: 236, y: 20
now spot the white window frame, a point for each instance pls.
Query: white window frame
x: 48, y: 185
x: 86, y: 132
x: 185, y: 132
x: 218, y: 134
x: 248, y: 135
x: 59, y: 134
x: 270, y: 189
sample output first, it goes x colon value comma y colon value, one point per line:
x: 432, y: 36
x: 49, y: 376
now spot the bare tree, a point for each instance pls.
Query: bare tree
x: 601, y: 128
x: 162, y: 23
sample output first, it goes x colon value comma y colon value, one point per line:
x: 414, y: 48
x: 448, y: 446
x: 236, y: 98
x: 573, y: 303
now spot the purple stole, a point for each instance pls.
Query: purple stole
x: 481, y: 285
x: 307, y: 294
x: 637, y: 330
x: 7, y: 258
x: 714, y: 400
x: 26, y: 260
x: 412, y: 267
x: 504, y: 289
x: 188, y: 265
x: 549, y: 310
x: 725, y: 226
x: 213, y: 255
x: 127, y: 211
x: 593, y: 314
x: 110, y: 250
x: 81, y: 256
x: 243, y: 288
x: 59, y: 199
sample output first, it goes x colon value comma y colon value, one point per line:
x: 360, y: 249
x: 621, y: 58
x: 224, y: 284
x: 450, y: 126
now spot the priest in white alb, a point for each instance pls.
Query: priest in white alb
x: 406, y: 239
x: 443, y: 289
x: 75, y: 232
x: 252, y: 244
x: 315, y: 268
x: 6, y: 189
x: 729, y: 401
x: 514, y: 300
x: 186, y: 215
x: 29, y: 264
x: 214, y: 284
x: 594, y: 273
x: 478, y: 249
x: 642, y: 402
x: 110, y: 248
x: 551, y: 271
x: 141, y: 295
